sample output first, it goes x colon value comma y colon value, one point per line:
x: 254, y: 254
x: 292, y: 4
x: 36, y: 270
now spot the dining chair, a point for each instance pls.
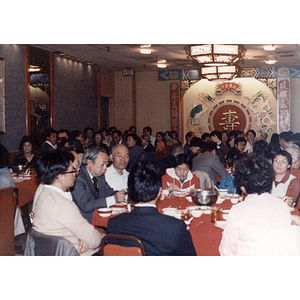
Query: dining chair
x: 8, y: 201
x: 117, y: 250
x: 39, y: 244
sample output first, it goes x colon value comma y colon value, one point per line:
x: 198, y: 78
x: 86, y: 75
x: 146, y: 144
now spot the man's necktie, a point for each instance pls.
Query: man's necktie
x: 95, y: 183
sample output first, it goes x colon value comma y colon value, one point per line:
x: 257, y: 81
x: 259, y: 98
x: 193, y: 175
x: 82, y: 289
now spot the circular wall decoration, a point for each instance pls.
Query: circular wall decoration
x: 229, y: 115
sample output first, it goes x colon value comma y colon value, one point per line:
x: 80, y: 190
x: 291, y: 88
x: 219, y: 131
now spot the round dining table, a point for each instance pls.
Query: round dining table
x: 26, y: 189
x: 206, y: 236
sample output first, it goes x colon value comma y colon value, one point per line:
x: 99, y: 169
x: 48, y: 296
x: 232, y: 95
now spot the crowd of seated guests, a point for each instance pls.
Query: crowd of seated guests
x: 215, y: 153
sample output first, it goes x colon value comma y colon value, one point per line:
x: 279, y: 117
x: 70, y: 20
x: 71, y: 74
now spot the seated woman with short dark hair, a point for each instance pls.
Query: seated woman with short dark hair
x: 249, y: 220
x: 27, y: 157
x: 180, y: 179
x: 285, y: 185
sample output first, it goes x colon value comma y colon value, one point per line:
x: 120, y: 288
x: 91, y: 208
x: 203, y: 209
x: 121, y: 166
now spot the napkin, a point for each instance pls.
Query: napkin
x: 220, y: 224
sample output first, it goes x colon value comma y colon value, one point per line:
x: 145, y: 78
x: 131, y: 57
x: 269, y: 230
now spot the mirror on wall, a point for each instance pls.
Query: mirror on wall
x: 39, y: 71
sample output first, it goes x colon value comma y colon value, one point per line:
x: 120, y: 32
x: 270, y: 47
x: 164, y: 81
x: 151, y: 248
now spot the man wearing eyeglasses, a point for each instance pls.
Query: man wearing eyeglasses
x: 91, y: 191
x: 55, y: 212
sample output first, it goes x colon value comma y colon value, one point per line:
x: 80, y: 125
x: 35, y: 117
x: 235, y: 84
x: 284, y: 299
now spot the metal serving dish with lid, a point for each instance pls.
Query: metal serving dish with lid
x: 207, y: 198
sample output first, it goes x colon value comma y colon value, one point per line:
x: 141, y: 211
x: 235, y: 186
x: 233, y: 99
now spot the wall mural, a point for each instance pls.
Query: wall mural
x: 240, y: 104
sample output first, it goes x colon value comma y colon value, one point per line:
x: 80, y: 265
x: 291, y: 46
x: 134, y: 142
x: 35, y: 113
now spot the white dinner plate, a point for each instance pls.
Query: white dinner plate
x: 118, y: 210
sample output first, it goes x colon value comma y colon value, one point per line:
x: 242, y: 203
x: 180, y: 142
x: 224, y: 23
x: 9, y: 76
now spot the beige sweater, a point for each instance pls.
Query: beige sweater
x: 57, y: 215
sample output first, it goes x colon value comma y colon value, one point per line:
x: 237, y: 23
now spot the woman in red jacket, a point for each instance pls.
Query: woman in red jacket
x: 180, y: 179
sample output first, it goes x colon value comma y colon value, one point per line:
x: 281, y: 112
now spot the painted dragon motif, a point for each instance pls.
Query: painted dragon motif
x: 261, y: 110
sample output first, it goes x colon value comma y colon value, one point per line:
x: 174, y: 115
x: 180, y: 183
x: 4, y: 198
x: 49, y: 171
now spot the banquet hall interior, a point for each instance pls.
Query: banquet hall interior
x: 74, y: 86
x: 101, y: 85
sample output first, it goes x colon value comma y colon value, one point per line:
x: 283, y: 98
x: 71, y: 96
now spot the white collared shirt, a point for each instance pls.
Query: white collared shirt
x: 50, y: 144
x: 115, y: 180
x: 146, y: 204
x: 152, y: 140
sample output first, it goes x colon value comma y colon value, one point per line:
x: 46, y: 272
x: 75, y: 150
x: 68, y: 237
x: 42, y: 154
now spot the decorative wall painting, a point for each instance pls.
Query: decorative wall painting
x: 239, y: 104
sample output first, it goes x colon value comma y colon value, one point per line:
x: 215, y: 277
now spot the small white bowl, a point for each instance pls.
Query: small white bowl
x: 225, y: 213
x: 104, y: 212
x: 234, y: 200
x: 223, y: 192
x: 197, y: 213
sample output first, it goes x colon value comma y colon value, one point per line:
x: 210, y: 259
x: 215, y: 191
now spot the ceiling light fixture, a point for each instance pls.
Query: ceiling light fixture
x: 215, y: 53
x: 161, y: 63
x: 219, y: 72
x: 217, y: 61
x: 271, y: 62
x: 269, y: 48
x: 34, y: 68
x: 145, y: 51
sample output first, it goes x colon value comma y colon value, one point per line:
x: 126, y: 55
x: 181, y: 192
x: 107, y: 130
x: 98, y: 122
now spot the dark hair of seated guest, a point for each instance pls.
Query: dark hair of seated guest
x: 183, y: 159
x: 144, y: 182
x: 49, y: 166
x: 24, y: 140
x: 261, y: 147
x: 255, y: 174
x: 196, y: 142
x: 209, y: 146
x: 239, y: 139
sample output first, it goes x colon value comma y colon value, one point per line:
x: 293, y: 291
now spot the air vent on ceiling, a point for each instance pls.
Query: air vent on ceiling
x: 128, y: 72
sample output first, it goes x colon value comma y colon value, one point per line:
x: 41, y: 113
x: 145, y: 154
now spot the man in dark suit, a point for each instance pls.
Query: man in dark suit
x: 50, y: 141
x: 91, y: 191
x: 161, y: 234
x: 169, y: 160
x: 147, y: 146
x: 116, y: 138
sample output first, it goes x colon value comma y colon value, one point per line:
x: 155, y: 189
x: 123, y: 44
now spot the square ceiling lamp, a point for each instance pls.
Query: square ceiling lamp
x: 217, y: 61
x: 219, y: 72
x: 215, y: 53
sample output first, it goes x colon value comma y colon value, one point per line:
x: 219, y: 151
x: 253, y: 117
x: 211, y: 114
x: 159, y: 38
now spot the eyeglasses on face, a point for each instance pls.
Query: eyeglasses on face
x: 284, y: 161
x: 67, y: 172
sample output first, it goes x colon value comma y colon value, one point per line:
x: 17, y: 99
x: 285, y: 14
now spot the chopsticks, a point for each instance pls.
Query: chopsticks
x: 201, y: 222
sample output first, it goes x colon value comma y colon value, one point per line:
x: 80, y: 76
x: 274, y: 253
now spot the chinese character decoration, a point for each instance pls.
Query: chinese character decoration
x: 230, y: 120
x: 174, y: 106
x: 234, y: 87
x: 261, y: 110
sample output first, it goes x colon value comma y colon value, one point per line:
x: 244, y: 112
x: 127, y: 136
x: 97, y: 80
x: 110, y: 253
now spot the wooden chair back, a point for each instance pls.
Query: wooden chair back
x: 8, y: 202
x: 117, y: 250
x: 12, y: 156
